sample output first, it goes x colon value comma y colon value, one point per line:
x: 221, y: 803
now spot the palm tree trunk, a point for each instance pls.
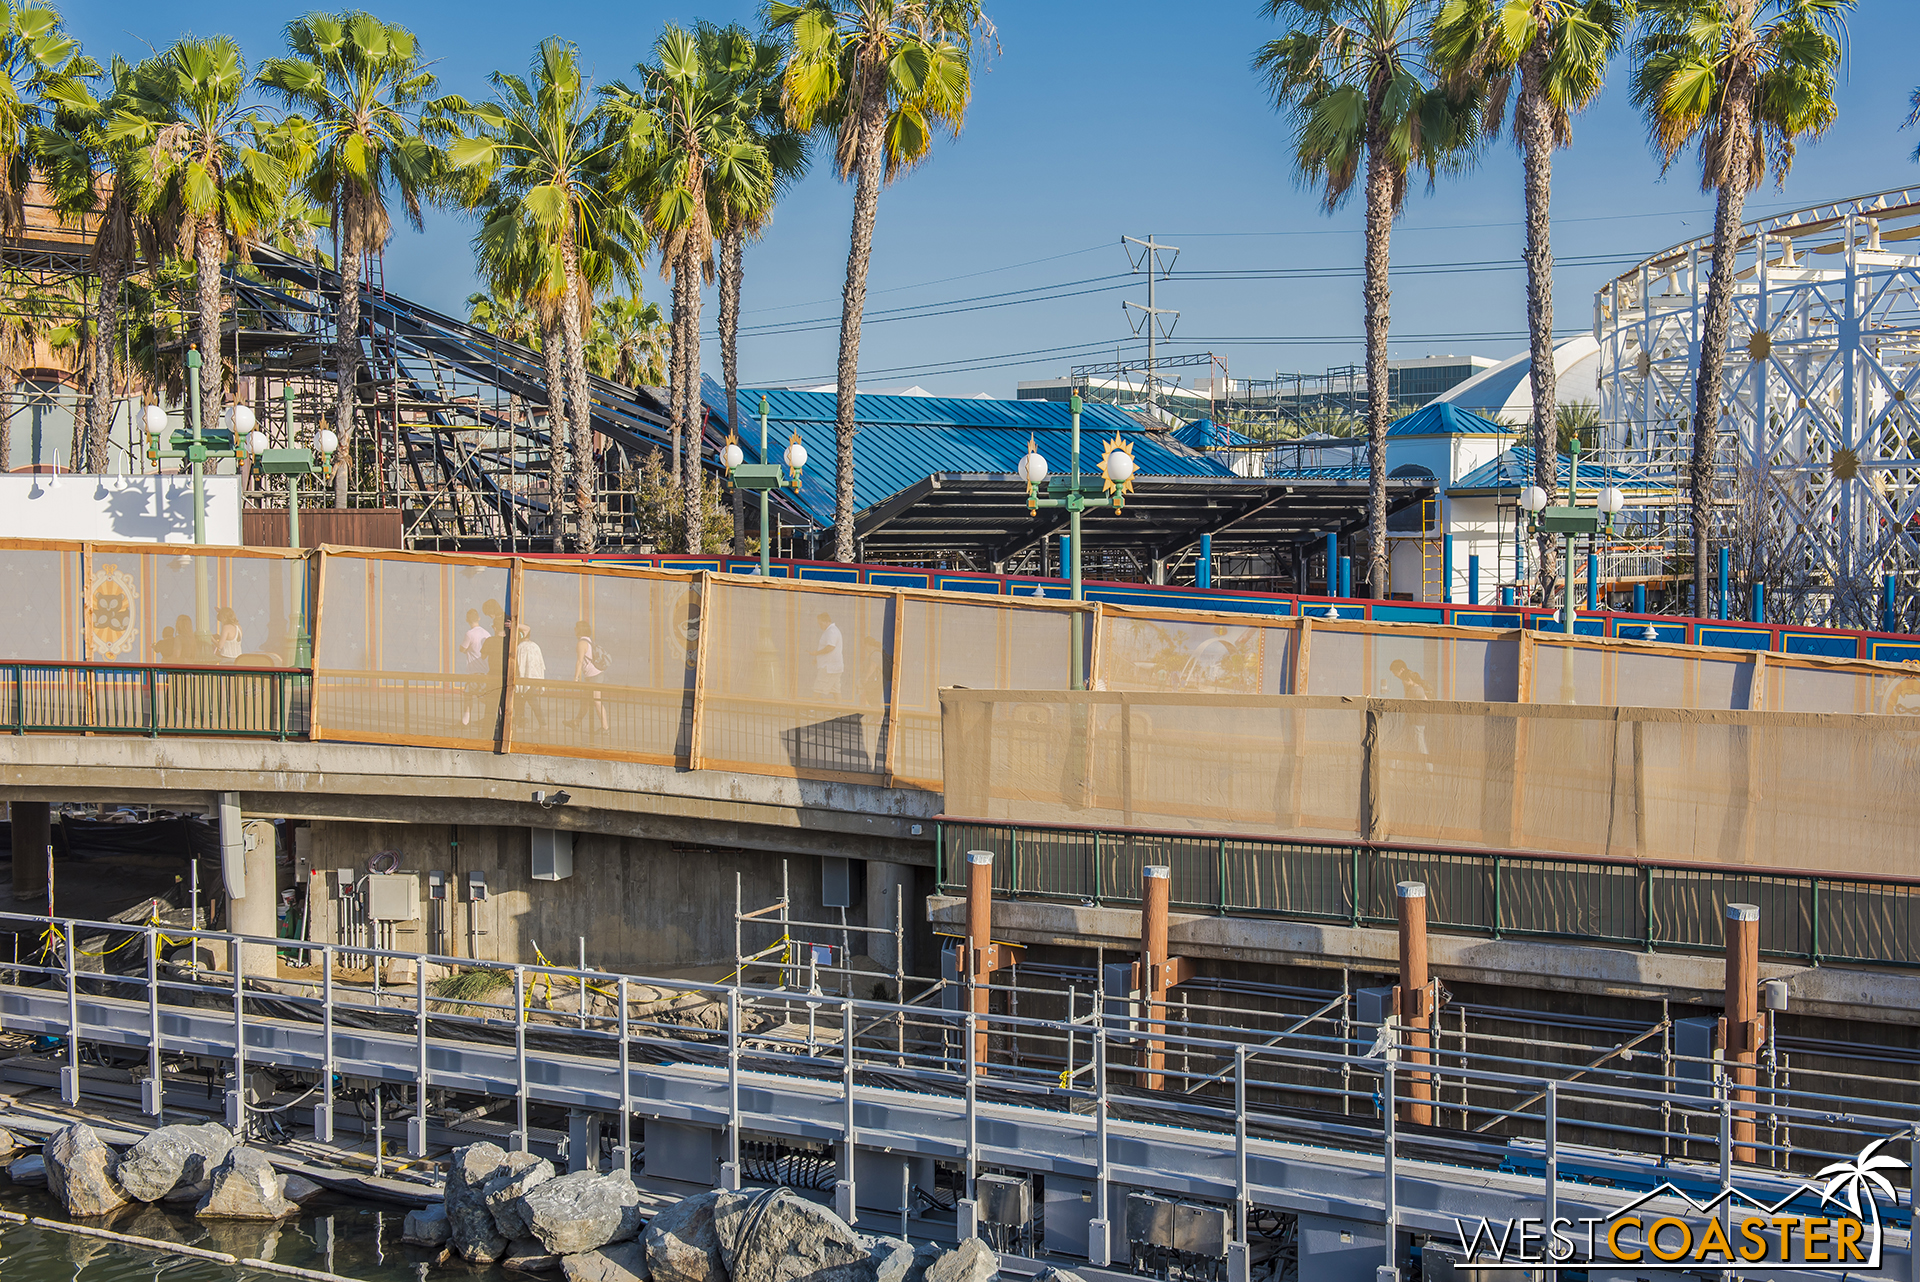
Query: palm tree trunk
x: 553, y: 357
x: 346, y: 355
x: 693, y: 406
x: 100, y: 406
x: 732, y: 260
x: 1535, y: 127
x: 1377, y: 295
x: 579, y: 416
x: 676, y: 381
x: 209, y: 256
x: 866, y: 207
x: 1714, y: 326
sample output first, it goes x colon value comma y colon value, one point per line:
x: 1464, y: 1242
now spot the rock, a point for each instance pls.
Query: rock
x: 583, y: 1211
x: 528, y: 1256
x: 246, y: 1187
x: 188, y: 1194
x: 971, y: 1261
x: 29, y: 1170
x: 427, y: 1226
x: 1051, y: 1274
x: 891, y: 1258
x: 502, y: 1193
x: 618, y: 1262
x: 300, y: 1190
x: 173, y: 1156
x: 474, y: 1233
x: 80, y: 1171
x: 7, y: 1141
x: 682, y: 1243
x: 776, y: 1236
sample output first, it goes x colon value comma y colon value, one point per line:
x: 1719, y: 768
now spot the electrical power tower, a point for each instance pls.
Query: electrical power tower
x: 1156, y: 262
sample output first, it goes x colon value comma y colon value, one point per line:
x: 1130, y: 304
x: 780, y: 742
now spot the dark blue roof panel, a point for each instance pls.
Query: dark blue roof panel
x: 902, y: 440
x: 1513, y: 470
x: 1205, y: 434
x: 1438, y: 418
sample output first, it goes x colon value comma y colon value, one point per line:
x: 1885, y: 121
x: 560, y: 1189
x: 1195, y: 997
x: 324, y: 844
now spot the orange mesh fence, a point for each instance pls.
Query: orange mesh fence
x: 1772, y: 790
x: 604, y: 662
x: 410, y: 648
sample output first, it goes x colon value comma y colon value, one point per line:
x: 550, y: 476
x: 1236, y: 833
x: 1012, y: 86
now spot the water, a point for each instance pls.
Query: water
x: 330, y: 1234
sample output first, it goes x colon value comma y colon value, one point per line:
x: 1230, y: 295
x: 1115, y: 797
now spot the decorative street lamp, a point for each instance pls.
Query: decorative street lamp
x: 1075, y: 495
x: 1571, y: 521
x: 763, y: 476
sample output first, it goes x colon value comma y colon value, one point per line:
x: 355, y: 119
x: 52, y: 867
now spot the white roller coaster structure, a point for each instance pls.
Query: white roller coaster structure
x: 1819, y: 455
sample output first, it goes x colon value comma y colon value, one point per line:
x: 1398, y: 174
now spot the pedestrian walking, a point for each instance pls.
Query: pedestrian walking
x: 829, y: 659
x: 589, y: 668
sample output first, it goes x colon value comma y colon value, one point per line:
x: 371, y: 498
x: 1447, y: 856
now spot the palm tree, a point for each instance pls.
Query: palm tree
x: 689, y: 152
x: 882, y: 75
x: 1355, y: 78
x: 69, y: 155
x: 506, y: 314
x: 1560, y: 48
x: 1738, y: 77
x: 218, y: 171
x: 629, y: 342
x: 362, y: 84
x: 551, y: 158
x: 41, y: 71
x: 743, y: 211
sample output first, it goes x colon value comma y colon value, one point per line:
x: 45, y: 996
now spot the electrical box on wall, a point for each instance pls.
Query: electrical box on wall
x: 836, y: 882
x: 392, y: 896
x: 552, y: 854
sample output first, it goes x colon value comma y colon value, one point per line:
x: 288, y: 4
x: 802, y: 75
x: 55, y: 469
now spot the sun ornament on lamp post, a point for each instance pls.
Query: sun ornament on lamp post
x: 763, y: 476
x: 1077, y: 494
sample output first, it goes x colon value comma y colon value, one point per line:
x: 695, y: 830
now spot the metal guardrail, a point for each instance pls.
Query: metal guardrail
x: 1404, y: 1130
x: 1497, y: 895
x: 155, y: 699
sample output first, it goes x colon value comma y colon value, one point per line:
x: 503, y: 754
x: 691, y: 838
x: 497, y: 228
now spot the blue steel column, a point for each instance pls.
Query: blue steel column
x: 1203, y: 570
x: 1473, y: 580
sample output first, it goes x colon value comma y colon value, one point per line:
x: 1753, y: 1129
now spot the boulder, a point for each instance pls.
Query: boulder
x: 80, y: 1171
x: 683, y: 1245
x: 528, y: 1256
x: 246, y: 1187
x: 8, y: 1143
x: 894, y: 1260
x: 502, y: 1193
x: 427, y: 1226
x: 583, y: 1211
x: 971, y: 1261
x: 301, y: 1190
x: 474, y: 1233
x: 28, y: 1170
x: 1051, y: 1274
x: 188, y: 1194
x: 171, y: 1157
x: 776, y: 1236
x: 616, y: 1262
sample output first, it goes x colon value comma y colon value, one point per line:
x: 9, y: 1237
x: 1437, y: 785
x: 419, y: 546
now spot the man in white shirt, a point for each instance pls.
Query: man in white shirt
x: 472, y: 645
x: 530, y: 664
x: 829, y: 659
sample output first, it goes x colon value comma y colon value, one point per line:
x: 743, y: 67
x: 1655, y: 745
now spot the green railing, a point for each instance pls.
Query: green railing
x: 1648, y: 906
x: 155, y: 700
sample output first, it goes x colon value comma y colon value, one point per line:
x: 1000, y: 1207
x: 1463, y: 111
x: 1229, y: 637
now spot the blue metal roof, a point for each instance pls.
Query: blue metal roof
x: 1351, y: 472
x: 1512, y: 471
x: 1438, y: 418
x: 1205, y: 434
x: 902, y: 440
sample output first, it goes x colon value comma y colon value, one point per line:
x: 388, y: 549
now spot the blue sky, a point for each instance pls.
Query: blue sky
x: 1094, y: 121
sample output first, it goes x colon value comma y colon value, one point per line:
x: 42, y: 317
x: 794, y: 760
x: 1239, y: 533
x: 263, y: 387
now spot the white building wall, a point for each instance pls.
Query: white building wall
x: 120, y: 509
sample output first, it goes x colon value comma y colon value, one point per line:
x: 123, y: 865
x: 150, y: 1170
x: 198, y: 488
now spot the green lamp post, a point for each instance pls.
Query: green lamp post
x: 1570, y: 522
x: 763, y: 476
x: 1079, y: 494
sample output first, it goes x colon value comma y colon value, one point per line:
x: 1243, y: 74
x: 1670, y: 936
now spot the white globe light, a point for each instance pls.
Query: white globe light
x: 1033, y: 469
x: 156, y: 418
x: 733, y: 456
x: 1533, y: 498
x: 325, y: 441
x: 1120, y: 466
x: 796, y: 456
x: 256, y: 443
x: 243, y: 419
x: 1612, y: 500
